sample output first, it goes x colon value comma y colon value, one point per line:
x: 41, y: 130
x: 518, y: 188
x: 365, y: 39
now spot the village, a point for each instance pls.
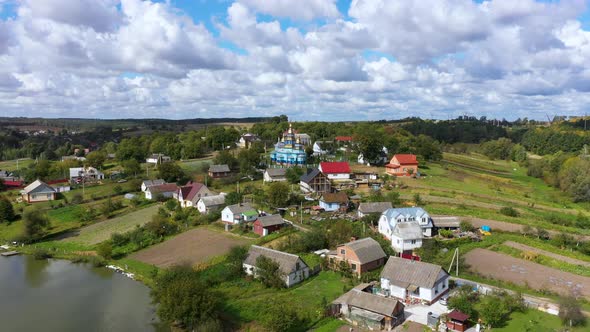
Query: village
x: 340, y: 219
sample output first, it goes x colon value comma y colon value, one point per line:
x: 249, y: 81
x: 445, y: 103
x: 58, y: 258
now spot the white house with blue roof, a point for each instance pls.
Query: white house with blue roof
x: 391, y: 217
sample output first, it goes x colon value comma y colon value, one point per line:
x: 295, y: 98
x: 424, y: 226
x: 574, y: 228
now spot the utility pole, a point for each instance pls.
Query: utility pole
x: 455, y: 254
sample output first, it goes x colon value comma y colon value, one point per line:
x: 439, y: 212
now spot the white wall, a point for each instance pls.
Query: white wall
x: 400, y: 244
x: 329, y: 206
x: 338, y: 176
x: 227, y: 215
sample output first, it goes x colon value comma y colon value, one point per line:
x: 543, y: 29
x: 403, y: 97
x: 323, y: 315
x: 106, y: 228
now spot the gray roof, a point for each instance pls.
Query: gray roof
x: 218, y: 168
x: 213, y: 200
x: 271, y: 220
x: 378, y: 304
x: 287, y: 262
x: 149, y: 183
x: 4, y: 174
x: 404, y: 272
x: 81, y: 171
x: 310, y: 175
x: 367, y: 250
x: 38, y: 187
x: 276, y: 172
x: 374, y: 207
x: 408, y: 230
x: 446, y: 221
x: 240, y: 208
x: 416, y: 212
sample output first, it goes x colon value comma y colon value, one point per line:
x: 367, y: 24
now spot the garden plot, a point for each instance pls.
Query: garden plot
x: 506, y: 268
x: 193, y: 247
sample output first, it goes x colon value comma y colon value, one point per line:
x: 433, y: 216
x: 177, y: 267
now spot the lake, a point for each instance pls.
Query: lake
x: 57, y: 295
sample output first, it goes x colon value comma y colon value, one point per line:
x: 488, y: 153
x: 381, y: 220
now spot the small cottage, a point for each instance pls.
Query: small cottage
x: 38, y: 191
x: 246, y: 140
x: 292, y: 267
x: 406, y: 237
x: 209, y: 204
x: 275, y: 175
x: 368, y: 311
x: 189, y: 194
x: 391, y: 217
x: 219, y: 171
x: 268, y: 224
x: 361, y: 255
x: 145, y: 184
x: 413, y: 281
x: 457, y: 321
x: 338, y: 170
x: 85, y: 173
x: 157, y: 158
x: 239, y: 213
x: 334, y: 202
x: 167, y: 190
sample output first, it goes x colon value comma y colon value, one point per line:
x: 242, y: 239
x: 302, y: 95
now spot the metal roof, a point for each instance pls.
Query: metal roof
x: 271, y: 220
x: 287, y: 262
x: 408, y: 230
x: 38, y: 187
x: 405, y: 272
x: 367, y: 250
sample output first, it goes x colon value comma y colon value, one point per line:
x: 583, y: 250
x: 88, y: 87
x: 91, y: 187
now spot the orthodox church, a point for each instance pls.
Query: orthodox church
x: 289, y: 151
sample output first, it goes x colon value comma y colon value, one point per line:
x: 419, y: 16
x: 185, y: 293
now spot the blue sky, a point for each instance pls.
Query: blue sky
x: 309, y: 59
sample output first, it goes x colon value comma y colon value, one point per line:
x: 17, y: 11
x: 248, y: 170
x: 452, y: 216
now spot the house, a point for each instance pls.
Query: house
x: 334, y: 202
x: 368, y: 208
x: 210, y: 203
x: 314, y: 181
x: 238, y: 213
x: 406, y: 237
x: 292, y: 266
x: 343, y: 139
x: 390, y: 217
x: 167, y: 190
x: 305, y: 139
x: 219, y: 171
x: 145, y: 184
x: 275, y: 175
x: 338, y: 170
x: 85, y: 173
x: 402, y: 165
x: 38, y: 191
x: 321, y: 148
x: 457, y: 321
x: 361, y: 255
x: 368, y: 311
x: 411, y: 280
x: 189, y: 194
x: 246, y: 140
x: 157, y: 158
x: 64, y: 158
x: 381, y: 158
x: 268, y: 224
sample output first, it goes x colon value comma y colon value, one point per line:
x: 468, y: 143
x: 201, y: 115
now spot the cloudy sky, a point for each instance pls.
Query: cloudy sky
x: 310, y: 59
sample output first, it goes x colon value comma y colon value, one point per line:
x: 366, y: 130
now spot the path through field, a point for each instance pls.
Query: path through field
x: 195, y: 246
x: 102, y: 231
x: 507, y: 268
x: 508, y: 227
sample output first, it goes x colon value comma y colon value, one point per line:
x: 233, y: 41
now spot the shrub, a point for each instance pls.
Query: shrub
x: 41, y: 253
x: 466, y: 226
x: 446, y: 233
x: 77, y: 198
x: 105, y: 250
x: 509, y: 211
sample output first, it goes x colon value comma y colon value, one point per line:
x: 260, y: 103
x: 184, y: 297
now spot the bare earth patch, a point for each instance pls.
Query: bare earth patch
x: 521, y: 272
x: 509, y: 227
x: 566, y: 259
x: 193, y: 247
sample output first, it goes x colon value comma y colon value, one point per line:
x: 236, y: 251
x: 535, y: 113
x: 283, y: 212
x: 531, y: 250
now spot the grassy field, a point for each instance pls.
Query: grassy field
x: 10, y: 165
x: 534, y: 321
x: 195, y: 165
x: 102, y: 231
x: 246, y: 300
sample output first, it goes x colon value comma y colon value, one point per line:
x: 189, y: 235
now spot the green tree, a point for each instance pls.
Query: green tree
x: 171, y: 172
x: 6, y: 210
x: 248, y: 161
x: 369, y: 143
x: 35, y: 224
x: 105, y: 250
x: 293, y: 174
x: 278, y: 194
x: 280, y: 317
x: 234, y: 261
x: 493, y: 310
x: 570, y: 312
x: 131, y: 167
x: 464, y: 300
x: 233, y: 198
x: 269, y: 272
x: 183, y: 298
x: 96, y: 159
x: 226, y: 158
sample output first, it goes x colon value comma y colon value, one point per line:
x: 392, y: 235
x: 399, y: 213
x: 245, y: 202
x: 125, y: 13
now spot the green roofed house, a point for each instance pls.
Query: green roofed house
x: 238, y: 213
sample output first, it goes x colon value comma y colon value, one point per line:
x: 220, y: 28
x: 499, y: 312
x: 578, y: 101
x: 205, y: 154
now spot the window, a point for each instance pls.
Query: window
x: 297, y: 267
x: 413, y: 241
x: 436, y: 290
x: 353, y: 267
x: 342, y: 252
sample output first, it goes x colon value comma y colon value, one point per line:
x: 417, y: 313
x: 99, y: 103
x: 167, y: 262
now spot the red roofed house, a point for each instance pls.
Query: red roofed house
x: 189, y: 194
x: 339, y: 170
x: 402, y: 165
x: 343, y: 139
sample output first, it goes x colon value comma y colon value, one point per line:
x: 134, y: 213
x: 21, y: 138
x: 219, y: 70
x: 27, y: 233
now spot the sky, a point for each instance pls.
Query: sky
x: 326, y: 60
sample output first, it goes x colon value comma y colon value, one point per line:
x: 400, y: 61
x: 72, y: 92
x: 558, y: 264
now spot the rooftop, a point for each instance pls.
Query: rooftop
x: 367, y: 250
x: 374, y: 207
x: 335, y: 167
x: 406, y: 159
x: 287, y: 262
x: 404, y: 272
x: 271, y: 220
x: 218, y: 168
x: 339, y: 197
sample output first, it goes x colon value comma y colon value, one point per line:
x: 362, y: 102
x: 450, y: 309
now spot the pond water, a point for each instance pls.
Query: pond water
x: 57, y: 295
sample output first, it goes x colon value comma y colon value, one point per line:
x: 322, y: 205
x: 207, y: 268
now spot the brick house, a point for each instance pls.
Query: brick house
x: 361, y: 255
x: 402, y: 165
